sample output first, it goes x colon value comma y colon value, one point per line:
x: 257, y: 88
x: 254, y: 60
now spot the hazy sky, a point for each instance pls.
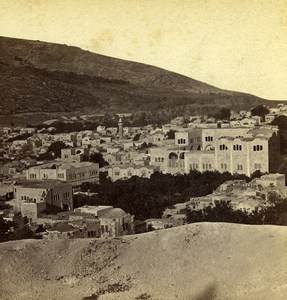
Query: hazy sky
x: 233, y: 44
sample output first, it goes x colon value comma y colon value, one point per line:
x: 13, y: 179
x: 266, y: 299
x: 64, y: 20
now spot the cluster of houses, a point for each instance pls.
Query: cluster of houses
x: 42, y: 191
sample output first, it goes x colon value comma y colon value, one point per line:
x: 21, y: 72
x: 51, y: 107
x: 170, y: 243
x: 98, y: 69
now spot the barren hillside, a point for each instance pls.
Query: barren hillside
x: 197, y: 261
x: 38, y: 77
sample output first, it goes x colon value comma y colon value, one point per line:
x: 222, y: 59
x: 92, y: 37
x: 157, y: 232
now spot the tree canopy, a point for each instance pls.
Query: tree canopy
x: 260, y: 110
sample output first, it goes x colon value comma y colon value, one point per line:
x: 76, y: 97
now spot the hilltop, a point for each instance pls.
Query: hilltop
x: 197, y: 261
x: 40, y: 77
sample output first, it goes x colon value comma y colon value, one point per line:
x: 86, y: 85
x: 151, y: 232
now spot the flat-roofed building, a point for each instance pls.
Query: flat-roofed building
x: 255, y: 149
x: 32, y: 198
x: 73, y: 173
x: 114, y: 221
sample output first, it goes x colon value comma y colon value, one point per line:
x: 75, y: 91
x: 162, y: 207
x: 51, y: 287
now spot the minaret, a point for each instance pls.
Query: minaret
x: 120, y: 128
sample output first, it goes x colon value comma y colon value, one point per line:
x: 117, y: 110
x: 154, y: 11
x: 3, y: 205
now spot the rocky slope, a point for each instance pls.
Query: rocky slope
x: 197, y: 261
x: 37, y: 77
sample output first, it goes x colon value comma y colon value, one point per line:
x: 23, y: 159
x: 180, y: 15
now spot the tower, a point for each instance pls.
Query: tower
x: 120, y: 124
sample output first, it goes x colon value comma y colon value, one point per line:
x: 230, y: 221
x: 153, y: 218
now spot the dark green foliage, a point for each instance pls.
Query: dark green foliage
x: 171, y: 134
x: 275, y: 213
x: 23, y: 136
x: 260, y: 110
x: 98, y: 158
x: 281, y: 122
x: 147, y: 198
x: 136, y: 137
x: 145, y: 145
x: 4, y: 229
x: 221, y: 211
x: 222, y: 114
x: 53, y: 151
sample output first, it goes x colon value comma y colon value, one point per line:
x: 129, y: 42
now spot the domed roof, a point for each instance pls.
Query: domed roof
x: 115, y: 213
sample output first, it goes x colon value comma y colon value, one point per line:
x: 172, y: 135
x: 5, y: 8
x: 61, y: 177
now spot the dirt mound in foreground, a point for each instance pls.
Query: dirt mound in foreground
x: 197, y: 261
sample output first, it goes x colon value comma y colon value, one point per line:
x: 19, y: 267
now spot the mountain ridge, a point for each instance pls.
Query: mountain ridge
x: 49, y: 77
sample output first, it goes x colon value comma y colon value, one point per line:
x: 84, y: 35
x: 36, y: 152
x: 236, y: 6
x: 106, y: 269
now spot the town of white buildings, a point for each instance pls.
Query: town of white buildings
x: 42, y: 191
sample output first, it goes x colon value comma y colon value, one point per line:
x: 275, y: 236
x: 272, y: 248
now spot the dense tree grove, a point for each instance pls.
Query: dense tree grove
x: 4, y: 229
x: 53, y: 151
x: 147, y: 198
x: 281, y: 122
x: 275, y: 213
x: 260, y: 110
x: 23, y: 136
x: 98, y: 158
x: 222, y: 114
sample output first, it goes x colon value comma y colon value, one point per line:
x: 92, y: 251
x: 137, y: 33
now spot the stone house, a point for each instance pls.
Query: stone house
x: 32, y: 198
x: 114, y: 221
x: 73, y: 173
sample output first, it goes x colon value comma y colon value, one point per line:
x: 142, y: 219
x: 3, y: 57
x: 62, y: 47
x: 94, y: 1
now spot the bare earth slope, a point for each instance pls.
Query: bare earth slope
x: 198, y: 261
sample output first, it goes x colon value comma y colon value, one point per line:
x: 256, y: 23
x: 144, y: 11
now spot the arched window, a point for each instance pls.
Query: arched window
x: 173, y: 156
x: 181, y: 156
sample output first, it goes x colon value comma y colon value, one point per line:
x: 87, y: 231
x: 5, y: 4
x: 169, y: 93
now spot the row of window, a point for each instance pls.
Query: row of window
x: 209, y: 138
x: 181, y: 141
x: 56, y: 197
x: 223, y: 147
x: 104, y: 228
x: 66, y: 195
x: 82, y: 174
x: 29, y: 198
x: 258, y: 148
x: 207, y: 166
x: 159, y: 159
x: 33, y: 176
x: 239, y: 147
x: 93, y: 234
x: 194, y: 166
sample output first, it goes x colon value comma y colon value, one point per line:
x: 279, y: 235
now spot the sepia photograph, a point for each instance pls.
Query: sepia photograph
x: 143, y: 149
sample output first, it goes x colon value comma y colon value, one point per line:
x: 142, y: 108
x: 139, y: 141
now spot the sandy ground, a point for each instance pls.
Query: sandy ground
x: 197, y: 261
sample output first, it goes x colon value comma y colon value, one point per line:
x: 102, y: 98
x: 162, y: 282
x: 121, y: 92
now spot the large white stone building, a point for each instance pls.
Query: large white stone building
x: 236, y: 150
x: 73, y: 173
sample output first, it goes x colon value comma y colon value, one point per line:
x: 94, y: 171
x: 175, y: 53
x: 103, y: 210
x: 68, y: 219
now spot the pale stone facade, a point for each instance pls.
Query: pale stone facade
x: 74, y: 173
x: 126, y: 171
x: 34, y: 197
x: 234, y: 150
x: 114, y: 221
